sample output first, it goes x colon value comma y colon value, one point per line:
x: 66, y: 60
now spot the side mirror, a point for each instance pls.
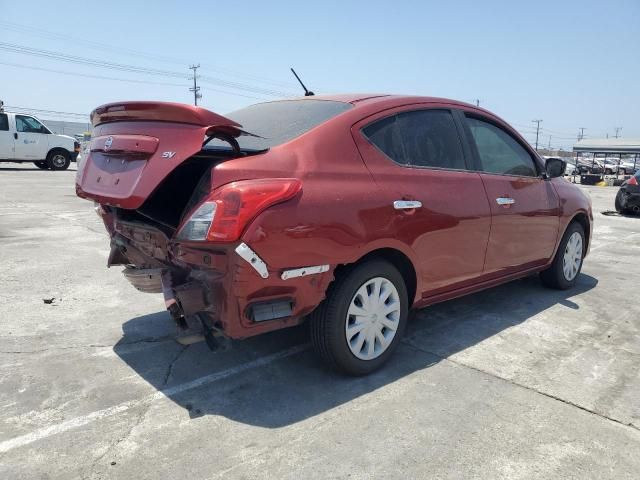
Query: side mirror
x: 555, y: 167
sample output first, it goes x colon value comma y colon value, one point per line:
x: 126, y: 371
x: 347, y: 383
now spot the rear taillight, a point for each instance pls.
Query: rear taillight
x: 224, y: 214
x: 632, y: 181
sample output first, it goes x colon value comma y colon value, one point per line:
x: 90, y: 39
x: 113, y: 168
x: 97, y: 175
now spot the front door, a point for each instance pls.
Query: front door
x: 441, y: 209
x: 33, y: 139
x: 6, y: 138
x: 524, y: 206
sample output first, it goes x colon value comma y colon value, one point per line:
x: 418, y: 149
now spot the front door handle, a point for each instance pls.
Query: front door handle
x: 504, y: 201
x: 15, y: 135
x: 406, y: 204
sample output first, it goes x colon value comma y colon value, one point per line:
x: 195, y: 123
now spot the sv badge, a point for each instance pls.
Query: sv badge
x: 168, y: 154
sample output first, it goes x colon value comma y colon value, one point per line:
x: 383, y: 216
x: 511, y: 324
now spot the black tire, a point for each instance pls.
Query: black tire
x: 618, y: 203
x: 58, y: 160
x: 329, y: 320
x: 42, y: 164
x: 554, y: 276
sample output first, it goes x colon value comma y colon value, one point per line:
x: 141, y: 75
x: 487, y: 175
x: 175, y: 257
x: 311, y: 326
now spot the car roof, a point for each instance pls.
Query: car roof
x: 371, y: 98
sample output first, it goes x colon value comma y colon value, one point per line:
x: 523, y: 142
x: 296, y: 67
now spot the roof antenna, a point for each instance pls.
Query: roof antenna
x: 307, y: 93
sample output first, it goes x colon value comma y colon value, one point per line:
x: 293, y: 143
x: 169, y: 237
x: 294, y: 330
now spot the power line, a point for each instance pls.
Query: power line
x: 134, y: 53
x: 59, y: 56
x: 40, y: 110
x: 100, y: 77
x: 127, y: 80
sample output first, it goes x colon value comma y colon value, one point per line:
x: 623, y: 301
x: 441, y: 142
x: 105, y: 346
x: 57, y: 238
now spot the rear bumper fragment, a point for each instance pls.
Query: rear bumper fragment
x: 148, y: 280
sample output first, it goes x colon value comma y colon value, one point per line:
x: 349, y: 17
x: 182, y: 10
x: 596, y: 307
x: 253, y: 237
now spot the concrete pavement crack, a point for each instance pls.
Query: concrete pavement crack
x: 141, y: 416
x: 171, y: 365
x: 631, y: 425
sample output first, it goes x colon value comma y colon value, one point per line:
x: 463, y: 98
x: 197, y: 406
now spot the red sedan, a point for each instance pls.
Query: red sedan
x: 344, y: 211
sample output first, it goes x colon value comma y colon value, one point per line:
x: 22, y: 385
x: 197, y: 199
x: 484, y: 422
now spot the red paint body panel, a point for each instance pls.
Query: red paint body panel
x: 523, y: 234
x: 120, y: 180
x: 460, y: 241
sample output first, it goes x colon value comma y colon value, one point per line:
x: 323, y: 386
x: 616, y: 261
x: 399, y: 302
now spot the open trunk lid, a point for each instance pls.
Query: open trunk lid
x: 136, y: 145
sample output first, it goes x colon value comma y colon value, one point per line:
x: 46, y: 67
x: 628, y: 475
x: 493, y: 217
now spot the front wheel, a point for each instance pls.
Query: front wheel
x: 360, y: 323
x: 566, y: 265
x: 43, y: 165
x: 58, y: 160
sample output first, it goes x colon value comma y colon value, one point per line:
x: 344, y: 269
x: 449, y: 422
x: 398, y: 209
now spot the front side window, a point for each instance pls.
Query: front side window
x: 4, y: 122
x: 421, y: 138
x: 499, y: 152
x: 29, y: 125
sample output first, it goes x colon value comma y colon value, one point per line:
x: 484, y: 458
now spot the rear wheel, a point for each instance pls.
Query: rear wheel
x: 360, y: 323
x: 42, y: 164
x: 565, y: 268
x: 618, y: 203
x: 58, y: 160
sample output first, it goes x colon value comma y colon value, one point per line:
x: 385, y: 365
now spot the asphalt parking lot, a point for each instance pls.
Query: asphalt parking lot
x: 515, y: 382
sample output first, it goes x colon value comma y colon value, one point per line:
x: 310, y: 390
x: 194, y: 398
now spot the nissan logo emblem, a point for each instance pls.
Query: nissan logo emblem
x: 108, y: 142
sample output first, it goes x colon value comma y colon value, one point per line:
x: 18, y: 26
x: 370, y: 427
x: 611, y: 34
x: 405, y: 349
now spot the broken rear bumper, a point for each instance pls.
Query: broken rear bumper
x: 239, y: 294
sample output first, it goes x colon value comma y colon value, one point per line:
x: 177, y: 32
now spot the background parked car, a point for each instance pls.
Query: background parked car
x: 628, y: 197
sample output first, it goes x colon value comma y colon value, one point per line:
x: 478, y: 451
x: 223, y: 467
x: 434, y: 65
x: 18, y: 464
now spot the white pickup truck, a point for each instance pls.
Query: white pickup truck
x: 24, y: 138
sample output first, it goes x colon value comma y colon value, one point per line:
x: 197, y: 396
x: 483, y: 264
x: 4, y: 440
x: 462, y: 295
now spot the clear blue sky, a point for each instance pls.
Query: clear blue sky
x: 572, y: 64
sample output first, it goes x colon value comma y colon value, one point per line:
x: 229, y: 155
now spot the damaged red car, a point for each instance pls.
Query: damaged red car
x: 344, y: 211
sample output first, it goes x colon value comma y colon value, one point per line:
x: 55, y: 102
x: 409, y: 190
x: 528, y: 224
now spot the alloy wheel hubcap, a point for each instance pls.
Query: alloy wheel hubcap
x: 572, y: 256
x: 373, y: 318
x: 58, y: 160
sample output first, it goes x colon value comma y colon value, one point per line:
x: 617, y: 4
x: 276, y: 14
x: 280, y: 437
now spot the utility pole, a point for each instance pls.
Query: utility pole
x: 537, y: 122
x: 617, y: 132
x: 549, y: 142
x: 581, y: 134
x: 477, y: 102
x: 195, y: 89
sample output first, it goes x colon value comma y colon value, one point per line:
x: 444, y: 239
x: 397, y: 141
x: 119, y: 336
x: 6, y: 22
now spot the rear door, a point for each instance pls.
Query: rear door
x: 524, y: 206
x: 440, y: 207
x: 32, y: 142
x: 6, y: 138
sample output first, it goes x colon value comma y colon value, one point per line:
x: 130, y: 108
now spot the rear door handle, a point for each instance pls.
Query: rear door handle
x: 505, y: 201
x: 15, y: 135
x: 406, y: 204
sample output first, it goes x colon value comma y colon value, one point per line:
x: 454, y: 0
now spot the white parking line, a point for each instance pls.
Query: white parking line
x: 45, y: 432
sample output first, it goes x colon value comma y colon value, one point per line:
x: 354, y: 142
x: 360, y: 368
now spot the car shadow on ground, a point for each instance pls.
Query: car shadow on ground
x: 297, y: 386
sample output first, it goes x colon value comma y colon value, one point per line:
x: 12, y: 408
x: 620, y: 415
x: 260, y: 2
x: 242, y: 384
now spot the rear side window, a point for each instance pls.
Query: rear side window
x: 422, y: 138
x: 279, y: 122
x: 499, y: 152
x: 4, y: 122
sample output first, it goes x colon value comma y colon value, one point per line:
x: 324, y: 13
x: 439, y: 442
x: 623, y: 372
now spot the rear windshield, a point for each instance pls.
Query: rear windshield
x: 281, y: 121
